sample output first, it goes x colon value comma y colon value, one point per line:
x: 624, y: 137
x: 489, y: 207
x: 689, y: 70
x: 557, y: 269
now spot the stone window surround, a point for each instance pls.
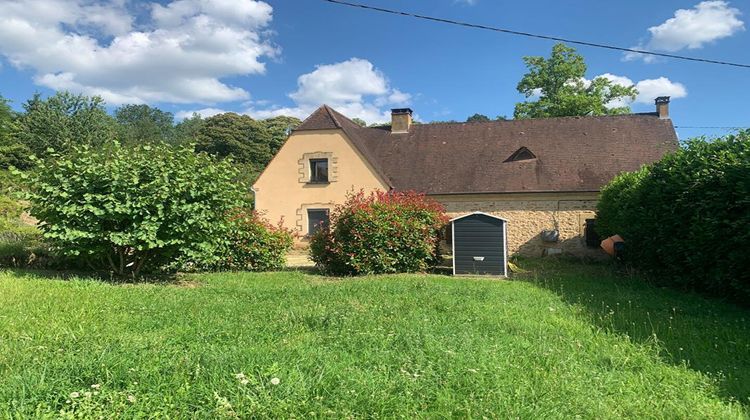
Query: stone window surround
x: 303, y: 165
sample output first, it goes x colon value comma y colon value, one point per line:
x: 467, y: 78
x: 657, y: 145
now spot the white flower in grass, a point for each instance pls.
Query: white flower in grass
x: 239, y: 375
x: 131, y: 399
x: 96, y: 386
x: 275, y: 381
x: 74, y: 395
x: 244, y: 381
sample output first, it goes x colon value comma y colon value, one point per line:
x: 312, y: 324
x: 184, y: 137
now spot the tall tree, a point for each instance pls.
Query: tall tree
x: 478, y: 118
x: 280, y: 127
x: 562, y: 90
x: 186, y: 131
x: 360, y: 122
x: 64, y: 120
x: 144, y: 124
x: 238, y: 136
x: 12, y: 152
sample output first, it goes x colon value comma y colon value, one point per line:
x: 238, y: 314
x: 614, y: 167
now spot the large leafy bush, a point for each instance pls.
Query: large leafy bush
x: 253, y: 244
x: 687, y: 217
x: 383, y: 232
x: 126, y: 208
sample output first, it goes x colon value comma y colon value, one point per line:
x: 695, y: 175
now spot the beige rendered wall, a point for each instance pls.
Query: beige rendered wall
x: 282, y: 191
x: 530, y: 213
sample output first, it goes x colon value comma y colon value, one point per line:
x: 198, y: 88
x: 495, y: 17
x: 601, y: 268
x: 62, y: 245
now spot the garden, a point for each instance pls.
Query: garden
x: 136, y: 280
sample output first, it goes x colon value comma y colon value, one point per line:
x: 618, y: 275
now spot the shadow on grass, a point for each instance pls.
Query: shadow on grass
x: 172, y: 278
x: 704, y: 334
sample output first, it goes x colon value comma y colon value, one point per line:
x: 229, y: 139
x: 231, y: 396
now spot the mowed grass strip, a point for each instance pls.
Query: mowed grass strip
x: 289, y: 344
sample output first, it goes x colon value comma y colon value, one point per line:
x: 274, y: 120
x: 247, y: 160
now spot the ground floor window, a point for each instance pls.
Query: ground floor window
x: 316, y: 219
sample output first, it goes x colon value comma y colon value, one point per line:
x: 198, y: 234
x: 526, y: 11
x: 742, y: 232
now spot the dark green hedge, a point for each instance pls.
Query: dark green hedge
x: 687, y: 217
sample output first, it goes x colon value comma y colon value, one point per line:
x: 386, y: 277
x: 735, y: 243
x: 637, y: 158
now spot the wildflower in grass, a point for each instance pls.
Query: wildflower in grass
x: 240, y: 375
x: 244, y: 381
x: 95, y: 386
x: 131, y: 399
x: 275, y: 381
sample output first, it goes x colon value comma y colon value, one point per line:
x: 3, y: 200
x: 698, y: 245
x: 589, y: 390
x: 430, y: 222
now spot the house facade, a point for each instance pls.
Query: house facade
x: 541, y: 175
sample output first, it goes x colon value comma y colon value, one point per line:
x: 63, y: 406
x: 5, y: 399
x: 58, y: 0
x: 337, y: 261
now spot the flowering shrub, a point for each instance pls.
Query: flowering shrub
x: 383, y: 232
x: 253, y: 244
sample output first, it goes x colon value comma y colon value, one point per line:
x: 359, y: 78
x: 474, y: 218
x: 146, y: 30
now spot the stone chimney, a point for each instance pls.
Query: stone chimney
x: 400, y: 120
x: 662, y: 107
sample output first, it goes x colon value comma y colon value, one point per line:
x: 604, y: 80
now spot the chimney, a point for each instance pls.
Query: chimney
x: 400, y: 120
x: 662, y: 107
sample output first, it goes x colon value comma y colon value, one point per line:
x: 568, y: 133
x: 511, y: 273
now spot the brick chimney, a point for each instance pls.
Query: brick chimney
x: 400, y: 120
x: 662, y: 107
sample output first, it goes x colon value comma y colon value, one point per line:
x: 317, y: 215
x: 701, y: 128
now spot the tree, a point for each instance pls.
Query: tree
x: 132, y: 207
x: 186, y: 131
x: 280, y: 127
x: 144, y: 124
x: 478, y: 118
x: 360, y: 122
x: 238, y: 136
x: 63, y: 121
x: 562, y: 90
x: 12, y: 151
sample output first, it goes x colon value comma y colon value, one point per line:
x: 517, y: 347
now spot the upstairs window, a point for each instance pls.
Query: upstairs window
x: 521, y: 154
x: 319, y: 171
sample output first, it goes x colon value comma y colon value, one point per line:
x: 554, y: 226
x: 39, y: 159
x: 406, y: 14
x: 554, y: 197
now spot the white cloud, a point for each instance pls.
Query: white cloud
x: 466, y: 2
x: 179, y: 55
x: 648, y: 89
x: 353, y: 87
x: 706, y: 22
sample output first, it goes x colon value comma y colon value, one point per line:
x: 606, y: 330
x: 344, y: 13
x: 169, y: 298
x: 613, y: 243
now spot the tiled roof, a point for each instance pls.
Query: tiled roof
x: 572, y: 153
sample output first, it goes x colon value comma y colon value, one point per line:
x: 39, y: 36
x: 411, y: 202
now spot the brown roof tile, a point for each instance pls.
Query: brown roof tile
x: 572, y: 153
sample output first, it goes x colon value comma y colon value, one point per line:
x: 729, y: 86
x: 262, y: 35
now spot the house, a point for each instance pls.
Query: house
x: 541, y: 175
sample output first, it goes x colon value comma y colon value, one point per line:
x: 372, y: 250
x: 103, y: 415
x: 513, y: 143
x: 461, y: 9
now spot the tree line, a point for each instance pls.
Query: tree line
x: 58, y: 123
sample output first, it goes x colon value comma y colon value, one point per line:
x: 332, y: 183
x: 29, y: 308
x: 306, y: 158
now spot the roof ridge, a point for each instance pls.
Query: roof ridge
x: 331, y: 114
x: 568, y: 117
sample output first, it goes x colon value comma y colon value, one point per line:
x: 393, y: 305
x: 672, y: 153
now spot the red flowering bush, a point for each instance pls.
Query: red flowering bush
x: 253, y: 244
x: 383, y: 232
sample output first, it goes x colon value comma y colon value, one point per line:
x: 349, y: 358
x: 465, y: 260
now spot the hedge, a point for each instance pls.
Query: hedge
x: 687, y: 217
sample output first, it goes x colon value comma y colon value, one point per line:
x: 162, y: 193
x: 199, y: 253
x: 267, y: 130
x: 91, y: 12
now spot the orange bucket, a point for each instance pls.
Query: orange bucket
x: 608, y: 245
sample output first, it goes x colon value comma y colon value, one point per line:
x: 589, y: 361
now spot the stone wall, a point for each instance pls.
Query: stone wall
x: 528, y: 214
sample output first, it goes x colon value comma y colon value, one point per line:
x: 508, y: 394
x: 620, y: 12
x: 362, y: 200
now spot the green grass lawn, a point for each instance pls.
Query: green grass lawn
x: 565, y: 340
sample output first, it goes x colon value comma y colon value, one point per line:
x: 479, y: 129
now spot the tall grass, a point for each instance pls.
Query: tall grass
x: 294, y: 345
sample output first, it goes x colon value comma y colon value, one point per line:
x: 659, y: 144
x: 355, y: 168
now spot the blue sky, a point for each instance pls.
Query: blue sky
x: 289, y: 56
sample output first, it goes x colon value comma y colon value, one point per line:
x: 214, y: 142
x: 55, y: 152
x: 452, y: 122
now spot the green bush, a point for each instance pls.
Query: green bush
x: 616, y: 202
x: 380, y: 233
x: 253, y: 244
x: 129, y: 208
x: 21, y: 245
x: 686, y: 217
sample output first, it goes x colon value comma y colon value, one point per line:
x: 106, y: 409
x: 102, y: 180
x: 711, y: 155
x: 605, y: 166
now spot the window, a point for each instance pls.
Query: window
x: 521, y: 154
x: 319, y: 170
x: 316, y: 219
x: 589, y: 232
